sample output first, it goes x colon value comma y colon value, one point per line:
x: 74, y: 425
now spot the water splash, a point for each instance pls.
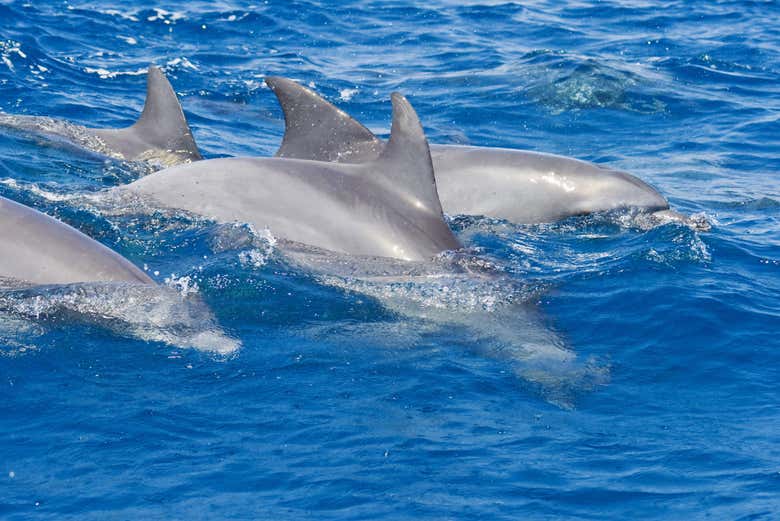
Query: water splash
x: 79, y: 138
x: 255, y: 247
x: 58, y: 132
x: 10, y: 49
x: 145, y: 312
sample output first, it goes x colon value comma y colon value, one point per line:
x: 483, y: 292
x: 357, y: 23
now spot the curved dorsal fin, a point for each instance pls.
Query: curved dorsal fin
x: 161, y: 127
x: 162, y: 121
x: 404, y: 166
x: 316, y: 129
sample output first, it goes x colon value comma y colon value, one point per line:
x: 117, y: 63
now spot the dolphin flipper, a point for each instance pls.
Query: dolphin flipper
x: 316, y: 129
x: 162, y: 125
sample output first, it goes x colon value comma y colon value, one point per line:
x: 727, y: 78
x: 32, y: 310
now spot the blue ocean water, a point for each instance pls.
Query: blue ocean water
x: 647, y: 382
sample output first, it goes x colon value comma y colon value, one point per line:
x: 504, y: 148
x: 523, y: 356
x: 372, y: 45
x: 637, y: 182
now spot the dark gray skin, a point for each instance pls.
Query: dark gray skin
x: 387, y: 207
x: 516, y: 185
x: 161, y: 135
x: 39, y: 250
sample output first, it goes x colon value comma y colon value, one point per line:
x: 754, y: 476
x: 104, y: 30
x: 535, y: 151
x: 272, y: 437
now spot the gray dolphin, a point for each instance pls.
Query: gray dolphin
x: 386, y: 207
x: 516, y: 185
x: 41, y: 250
x: 48, y: 268
x: 160, y: 135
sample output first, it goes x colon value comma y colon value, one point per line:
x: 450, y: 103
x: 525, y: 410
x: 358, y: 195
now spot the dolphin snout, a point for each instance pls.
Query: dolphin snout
x: 647, y: 196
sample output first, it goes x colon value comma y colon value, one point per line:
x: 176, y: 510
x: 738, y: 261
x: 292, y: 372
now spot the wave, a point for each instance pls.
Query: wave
x: 563, y: 81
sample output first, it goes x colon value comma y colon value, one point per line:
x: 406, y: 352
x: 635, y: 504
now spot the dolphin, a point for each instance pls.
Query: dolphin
x: 385, y: 207
x: 41, y: 250
x: 377, y: 228
x: 515, y: 185
x: 161, y: 134
x: 49, y: 268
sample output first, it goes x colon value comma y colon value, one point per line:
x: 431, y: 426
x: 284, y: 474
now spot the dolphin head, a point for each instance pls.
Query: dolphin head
x: 608, y: 188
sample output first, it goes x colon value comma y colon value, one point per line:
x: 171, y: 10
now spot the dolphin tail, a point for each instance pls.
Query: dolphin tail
x: 162, y: 123
x: 405, y: 167
x: 318, y: 130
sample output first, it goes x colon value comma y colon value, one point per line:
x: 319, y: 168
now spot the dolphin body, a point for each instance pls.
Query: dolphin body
x: 516, y: 185
x: 41, y: 250
x: 160, y: 135
x: 385, y: 207
x: 49, y: 268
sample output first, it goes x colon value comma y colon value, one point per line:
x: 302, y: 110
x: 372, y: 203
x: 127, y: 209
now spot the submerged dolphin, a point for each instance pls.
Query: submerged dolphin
x: 386, y: 207
x: 39, y: 250
x: 516, y: 185
x: 160, y: 135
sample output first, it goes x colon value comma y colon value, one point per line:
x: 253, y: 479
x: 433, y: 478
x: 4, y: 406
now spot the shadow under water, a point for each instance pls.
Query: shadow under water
x: 470, y: 298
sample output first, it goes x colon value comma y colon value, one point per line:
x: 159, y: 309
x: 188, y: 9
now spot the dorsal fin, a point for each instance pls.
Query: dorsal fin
x: 404, y: 166
x: 161, y: 127
x: 162, y: 121
x: 316, y: 129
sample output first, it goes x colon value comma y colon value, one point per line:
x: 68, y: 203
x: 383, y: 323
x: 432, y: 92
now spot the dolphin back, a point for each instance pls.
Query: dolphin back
x: 386, y: 207
x: 517, y: 185
x: 162, y: 126
x: 39, y: 249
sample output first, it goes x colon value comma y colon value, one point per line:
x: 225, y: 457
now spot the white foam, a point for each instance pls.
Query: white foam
x: 347, y: 94
x: 37, y: 190
x: 146, y: 312
x: 106, y: 74
x: 128, y: 39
